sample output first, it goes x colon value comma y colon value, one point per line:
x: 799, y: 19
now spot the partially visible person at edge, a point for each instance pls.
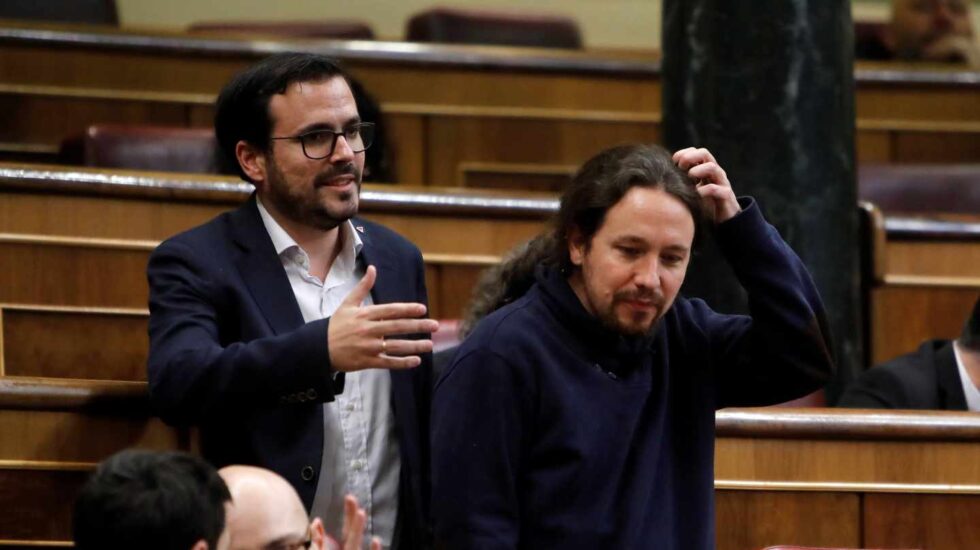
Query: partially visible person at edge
x: 940, y: 375
x: 152, y: 501
x: 289, y: 329
x: 581, y: 413
x: 266, y: 513
x: 924, y: 30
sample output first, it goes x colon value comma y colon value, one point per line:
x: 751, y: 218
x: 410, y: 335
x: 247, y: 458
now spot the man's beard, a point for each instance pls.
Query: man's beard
x: 303, y: 205
x: 611, y: 321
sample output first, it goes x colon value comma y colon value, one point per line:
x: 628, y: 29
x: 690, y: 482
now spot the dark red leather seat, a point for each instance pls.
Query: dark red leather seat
x: 144, y: 148
x: 464, y: 26
x: 921, y: 188
x: 337, y: 29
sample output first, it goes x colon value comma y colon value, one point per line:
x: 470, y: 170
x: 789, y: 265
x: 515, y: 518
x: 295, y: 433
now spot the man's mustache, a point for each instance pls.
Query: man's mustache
x: 652, y: 296
x: 324, y: 178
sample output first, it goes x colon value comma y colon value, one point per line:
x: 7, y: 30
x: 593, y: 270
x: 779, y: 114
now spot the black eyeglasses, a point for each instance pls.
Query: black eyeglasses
x: 319, y: 144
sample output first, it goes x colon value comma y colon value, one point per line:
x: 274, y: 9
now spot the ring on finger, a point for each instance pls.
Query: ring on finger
x: 384, y: 346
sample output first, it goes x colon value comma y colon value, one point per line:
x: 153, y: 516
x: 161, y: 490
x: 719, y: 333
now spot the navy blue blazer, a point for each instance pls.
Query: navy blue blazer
x: 925, y: 379
x: 230, y: 353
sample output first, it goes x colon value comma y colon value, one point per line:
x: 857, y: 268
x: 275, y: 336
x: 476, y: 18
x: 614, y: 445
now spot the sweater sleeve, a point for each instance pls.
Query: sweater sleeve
x: 479, y: 424
x: 782, y: 350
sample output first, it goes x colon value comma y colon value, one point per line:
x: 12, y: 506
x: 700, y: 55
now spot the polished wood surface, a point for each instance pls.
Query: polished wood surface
x: 755, y: 519
x: 922, y: 272
x: 921, y: 521
x: 51, y: 200
x: 71, y: 342
x: 922, y: 277
x: 448, y: 106
x: 839, y: 478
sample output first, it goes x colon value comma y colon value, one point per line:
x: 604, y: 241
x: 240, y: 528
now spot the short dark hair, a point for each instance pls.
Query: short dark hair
x: 242, y: 107
x: 150, y: 500
x: 970, y: 337
x: 601, y: 183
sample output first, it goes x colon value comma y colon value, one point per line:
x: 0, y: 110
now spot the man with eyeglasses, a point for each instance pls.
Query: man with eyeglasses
x: 290, y: 331
x: 266, y: 514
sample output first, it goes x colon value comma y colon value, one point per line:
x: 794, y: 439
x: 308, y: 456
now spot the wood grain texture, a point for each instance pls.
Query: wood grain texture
x: 759, y: 519
x: 37, y: 504
x: 936, y: 522
x: 902, y: 317
x: 74, y: 343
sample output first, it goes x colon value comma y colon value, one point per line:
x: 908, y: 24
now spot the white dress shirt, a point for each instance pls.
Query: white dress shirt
x: 360, y: 446
x: 970, y: 390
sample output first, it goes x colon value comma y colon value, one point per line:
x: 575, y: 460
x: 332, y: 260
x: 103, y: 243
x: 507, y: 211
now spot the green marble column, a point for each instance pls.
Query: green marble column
x: 768, y: 87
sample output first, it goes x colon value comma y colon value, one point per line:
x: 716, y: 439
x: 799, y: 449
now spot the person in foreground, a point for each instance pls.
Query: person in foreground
x: 941, y: 374
x: 153, y: 501
x: 581, y: 414
x: 267, y: 513
x: 275, y: 327
x: 924, y: 30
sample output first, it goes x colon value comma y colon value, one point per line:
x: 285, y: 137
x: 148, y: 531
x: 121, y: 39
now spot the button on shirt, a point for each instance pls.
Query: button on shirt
x: 360, y: 447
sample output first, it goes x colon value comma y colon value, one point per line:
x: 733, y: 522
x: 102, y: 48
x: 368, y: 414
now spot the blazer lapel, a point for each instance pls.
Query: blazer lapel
x: 261, y: 269
x: 388, y: 288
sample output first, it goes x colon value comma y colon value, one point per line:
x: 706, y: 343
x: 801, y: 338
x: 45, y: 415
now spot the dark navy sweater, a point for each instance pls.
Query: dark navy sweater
x: 551, y: 432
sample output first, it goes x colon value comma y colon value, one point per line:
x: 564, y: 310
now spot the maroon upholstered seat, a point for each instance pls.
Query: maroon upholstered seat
x: 99, y: 12
x: 921, y: 188
x: 144, y: 148
x: 464, y: 26
x: 337, y: 29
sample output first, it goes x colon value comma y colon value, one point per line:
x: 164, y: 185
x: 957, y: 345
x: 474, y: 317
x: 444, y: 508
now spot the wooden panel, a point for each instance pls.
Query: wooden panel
x: 749, y: 519
x: 936, y: 146
x: 902, y: 317
x: 873, y: 146
x: 921, y: 103
x: 453, y: 141
x: 47, y: 120
x: 63, y: 274
x: 64, y: 436
x: 527, y: 177
x: 936, y: 522
x: 74, y: 343
x: 455, y: 289
x: 37, y: 504
x: 406, y: 144
x: 155, y: 219
x: 934, y: 258
x: 113, y: 274
x: 101, y: 217
x: 834, y: 465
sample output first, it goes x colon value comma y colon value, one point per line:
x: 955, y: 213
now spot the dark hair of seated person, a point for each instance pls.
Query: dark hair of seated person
x: 151, y: 501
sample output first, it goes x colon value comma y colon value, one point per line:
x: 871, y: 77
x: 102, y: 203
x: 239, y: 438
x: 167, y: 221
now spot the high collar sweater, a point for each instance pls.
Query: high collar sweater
x: 550, y: 431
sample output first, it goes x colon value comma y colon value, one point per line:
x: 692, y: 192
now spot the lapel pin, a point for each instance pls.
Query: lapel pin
x: 359, y: 228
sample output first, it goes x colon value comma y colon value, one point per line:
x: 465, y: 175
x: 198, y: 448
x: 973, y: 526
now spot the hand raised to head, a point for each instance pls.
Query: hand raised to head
x: 358, y: 336
x: 712, y: 182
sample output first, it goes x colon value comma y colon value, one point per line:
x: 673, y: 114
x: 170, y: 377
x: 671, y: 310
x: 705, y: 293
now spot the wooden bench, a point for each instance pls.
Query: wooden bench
x: 847, y: 479
x: 922, y: 277
x: 91, y: 226
x: 457, y: 114
x: 52, y: 434
x: 807, y: 476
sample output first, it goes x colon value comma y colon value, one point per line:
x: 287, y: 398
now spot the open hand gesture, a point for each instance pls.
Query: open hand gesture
x: 358, y: 335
